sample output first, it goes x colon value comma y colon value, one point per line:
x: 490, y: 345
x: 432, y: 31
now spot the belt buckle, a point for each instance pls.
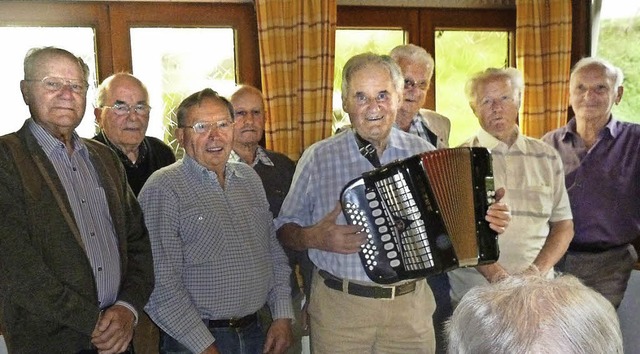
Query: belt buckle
x: 380, y: 292
x: 234, y: 322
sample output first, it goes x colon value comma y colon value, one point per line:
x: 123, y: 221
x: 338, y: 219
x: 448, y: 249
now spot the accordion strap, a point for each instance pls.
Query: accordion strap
x: 367, y: 150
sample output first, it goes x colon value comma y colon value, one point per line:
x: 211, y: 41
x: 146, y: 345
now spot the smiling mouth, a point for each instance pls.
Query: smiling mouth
x: 215, y: 149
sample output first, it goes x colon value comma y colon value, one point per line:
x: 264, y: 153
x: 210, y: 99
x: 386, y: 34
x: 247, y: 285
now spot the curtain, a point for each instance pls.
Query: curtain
x: 543, y: 54
x: 297, y: 43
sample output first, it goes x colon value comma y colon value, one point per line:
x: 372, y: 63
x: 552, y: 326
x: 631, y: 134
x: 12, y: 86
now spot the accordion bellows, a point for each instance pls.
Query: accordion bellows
x: 424, y: 215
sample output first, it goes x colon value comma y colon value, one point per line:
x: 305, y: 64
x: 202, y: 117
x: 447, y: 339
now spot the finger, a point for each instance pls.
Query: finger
x: 500, y: 194
x: 268, y: 344
x: 333, y: 215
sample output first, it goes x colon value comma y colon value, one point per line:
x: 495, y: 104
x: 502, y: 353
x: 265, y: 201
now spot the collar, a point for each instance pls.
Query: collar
x: 48, y: 142
x: 261, y: 157
x: 490, y: 142
x: 143, y: 149
x: 612, y: 129
x: 231, y: 170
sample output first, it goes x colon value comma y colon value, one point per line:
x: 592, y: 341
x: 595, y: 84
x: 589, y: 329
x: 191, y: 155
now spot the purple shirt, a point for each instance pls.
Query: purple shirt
x: 603, y: 182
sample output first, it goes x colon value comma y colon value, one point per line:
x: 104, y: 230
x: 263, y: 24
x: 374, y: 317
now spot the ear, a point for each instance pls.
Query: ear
x: 97, y: 112
x: 179, y: 134
x: 619, y: 94
x: 25, y: 91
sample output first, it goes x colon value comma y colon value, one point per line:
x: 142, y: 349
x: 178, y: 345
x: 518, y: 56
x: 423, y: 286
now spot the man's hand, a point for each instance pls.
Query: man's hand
x: 279, y: 336
x: 498, y: 214
x: 114, y: 330
x: 212, y: 349
x: 326, y: 235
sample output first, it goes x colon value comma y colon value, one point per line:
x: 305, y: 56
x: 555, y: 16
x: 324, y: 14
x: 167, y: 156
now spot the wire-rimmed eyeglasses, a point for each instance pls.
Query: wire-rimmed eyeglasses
x: 206, y: 127
x: 54, y: 84
x: 123, y: 109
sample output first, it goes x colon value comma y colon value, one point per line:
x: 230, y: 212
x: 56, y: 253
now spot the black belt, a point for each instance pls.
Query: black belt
x: 593, y: 247
x: 376, y: 292
x: 233, y: 322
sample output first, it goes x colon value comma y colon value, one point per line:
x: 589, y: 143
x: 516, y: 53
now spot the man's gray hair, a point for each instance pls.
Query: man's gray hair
x: 511, y: 74
x: 360, y: 61
x: 611, y: 70
x: 532, y: 314
x: 103, y: 88
x: 415, y: 54
x: 33, y: 56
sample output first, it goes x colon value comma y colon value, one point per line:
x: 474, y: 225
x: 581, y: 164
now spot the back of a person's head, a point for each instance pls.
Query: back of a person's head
x: 534, y: 315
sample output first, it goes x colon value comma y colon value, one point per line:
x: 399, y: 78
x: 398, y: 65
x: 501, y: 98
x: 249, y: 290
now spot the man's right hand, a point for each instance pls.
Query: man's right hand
x: 212, y: 349
x: 326, y: 235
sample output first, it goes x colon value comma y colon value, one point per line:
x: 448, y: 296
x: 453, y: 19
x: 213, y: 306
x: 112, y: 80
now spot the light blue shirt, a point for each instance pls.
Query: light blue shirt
x: 323, y: 170
x: 215, y: 252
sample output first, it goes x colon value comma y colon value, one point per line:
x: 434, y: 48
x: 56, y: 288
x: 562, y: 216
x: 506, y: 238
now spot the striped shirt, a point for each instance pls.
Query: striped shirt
x: 215, y: 252
x: 531, y: 173
x: 90, y: 210
x: 322, y: 172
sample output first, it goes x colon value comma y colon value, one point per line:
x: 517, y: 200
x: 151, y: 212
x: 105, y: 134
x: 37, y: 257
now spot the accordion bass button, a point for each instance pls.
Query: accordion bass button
x: 374, y: 204
x: 392, y: 254
x: 370, y: 196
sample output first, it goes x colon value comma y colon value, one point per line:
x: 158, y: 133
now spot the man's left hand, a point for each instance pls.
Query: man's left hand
x: 498, y: 214
x: 279, y: 336
x: 114, y: 330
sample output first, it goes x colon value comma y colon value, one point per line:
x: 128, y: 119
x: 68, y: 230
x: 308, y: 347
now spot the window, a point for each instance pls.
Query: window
x: 350, y: 42
x: 460, y: 54
x: 619, y: 30
x: 172, y: 67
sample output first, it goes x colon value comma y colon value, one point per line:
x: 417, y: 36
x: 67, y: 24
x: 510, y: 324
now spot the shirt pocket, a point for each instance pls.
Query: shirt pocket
x: 202, y: 237
x: 533, y: 200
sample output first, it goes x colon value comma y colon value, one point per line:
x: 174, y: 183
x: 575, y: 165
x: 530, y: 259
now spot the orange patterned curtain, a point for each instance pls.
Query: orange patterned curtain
x: 543, y: 52
x: 297, y: 43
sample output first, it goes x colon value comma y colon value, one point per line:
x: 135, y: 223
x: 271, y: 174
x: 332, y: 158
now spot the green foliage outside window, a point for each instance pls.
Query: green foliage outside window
x: 618, y: 43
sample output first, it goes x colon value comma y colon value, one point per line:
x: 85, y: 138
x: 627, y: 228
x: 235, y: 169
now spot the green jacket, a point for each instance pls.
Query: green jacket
x: 48, y: 295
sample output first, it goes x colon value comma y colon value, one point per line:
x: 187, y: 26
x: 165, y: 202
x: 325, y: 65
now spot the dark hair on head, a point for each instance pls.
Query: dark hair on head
x: 35, y: 54
x: 195, y: 99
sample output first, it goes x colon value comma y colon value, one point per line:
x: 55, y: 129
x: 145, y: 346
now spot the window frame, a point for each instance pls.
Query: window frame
x: 421, y: 24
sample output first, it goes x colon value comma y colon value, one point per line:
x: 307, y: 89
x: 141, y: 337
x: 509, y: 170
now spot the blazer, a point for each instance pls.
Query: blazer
x: 439, y: 125
x: 48, y: 296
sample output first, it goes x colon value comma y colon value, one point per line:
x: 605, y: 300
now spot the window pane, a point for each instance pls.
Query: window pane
x: 77, y: 40
x: 619, y: 29
x: 459, y: 54
x: 176, y: 62
x: 352, y: 42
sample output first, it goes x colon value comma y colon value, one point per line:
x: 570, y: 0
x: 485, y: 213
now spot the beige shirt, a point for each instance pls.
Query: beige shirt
x: 531, y: 172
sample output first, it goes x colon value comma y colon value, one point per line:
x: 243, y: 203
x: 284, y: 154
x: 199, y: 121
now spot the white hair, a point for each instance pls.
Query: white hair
x: 611, y: 70
x: 534, y: 315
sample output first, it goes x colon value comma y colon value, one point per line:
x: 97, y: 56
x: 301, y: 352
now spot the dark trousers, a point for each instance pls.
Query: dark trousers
x: 441, y: 288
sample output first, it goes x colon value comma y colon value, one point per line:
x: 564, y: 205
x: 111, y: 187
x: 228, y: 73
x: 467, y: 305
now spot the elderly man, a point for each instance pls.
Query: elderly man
x: 602, y: 167
x: 530, y: 172
x: 275, y: 171
x: 122, y: 113
x: 216, y: 255
x: 533, y: 314
x: 74, y: 253
x: 417, y: 68
x: 348, y: 312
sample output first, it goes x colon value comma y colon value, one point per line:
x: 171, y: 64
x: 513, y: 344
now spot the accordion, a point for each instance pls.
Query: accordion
x: 424, y: 215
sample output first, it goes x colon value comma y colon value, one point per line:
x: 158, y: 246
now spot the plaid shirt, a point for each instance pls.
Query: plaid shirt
x: 323, y: 170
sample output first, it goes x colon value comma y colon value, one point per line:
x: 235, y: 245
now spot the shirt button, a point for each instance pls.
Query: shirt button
x: 99, y: 269
x: 93, y: 234
x: 83, y: 200
x: 74, y: 168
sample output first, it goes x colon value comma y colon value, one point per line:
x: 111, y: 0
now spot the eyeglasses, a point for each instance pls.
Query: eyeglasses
x: 54, y: 84
x: 409, y: 84
x: 206, y: 127
x: 122, y: 109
